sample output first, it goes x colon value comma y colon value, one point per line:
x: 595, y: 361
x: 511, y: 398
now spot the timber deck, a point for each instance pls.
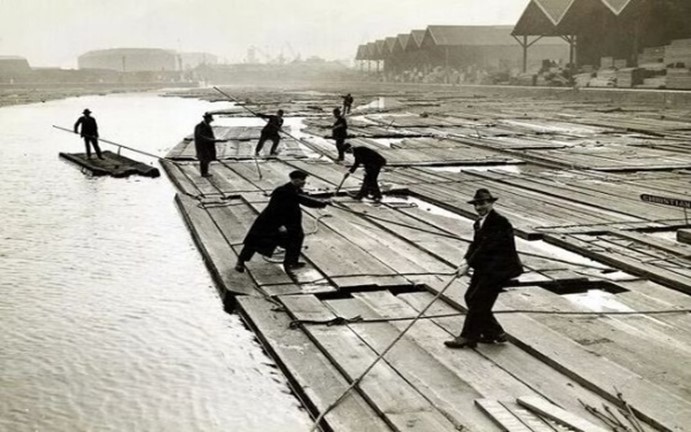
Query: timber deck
x: 112, y: 164
x: 602, y: 309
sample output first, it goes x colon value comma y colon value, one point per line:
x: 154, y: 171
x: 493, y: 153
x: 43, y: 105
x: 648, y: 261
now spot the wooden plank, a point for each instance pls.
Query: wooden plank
x: 501, y: 416
x: 413, y: 360
x: 598, y: 374
x: 179, y: 179
x: 540, y: 377
x: 652, y: 272
x: 632, y: 341
x: 667, y: 246
x: 395, y: 399
x: 214, y: 248
x: 317, y: 381
x: 559, y: 415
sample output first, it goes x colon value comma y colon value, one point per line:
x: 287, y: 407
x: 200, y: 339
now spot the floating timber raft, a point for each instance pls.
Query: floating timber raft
x: 112, y: 164
x: 598, y: 325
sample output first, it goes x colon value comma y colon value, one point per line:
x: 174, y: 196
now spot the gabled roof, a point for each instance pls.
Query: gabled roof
x: 616, y: 5
x: 449, y: 35
x: 402, y: 42
x: 415, y: 40
x: 554, y: 9
x: 361, y: 53
x: 390, y: 44
x: 380, y: 49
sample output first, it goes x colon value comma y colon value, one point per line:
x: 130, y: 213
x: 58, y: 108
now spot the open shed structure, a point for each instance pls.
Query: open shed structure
x: 604, y: 28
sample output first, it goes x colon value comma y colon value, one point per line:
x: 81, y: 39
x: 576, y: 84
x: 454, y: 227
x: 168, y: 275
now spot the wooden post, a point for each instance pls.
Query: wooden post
x: 525, y: 53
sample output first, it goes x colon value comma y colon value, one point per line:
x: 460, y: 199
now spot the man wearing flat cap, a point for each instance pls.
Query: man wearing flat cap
x: 205, y: 144
x: 89, y: 132
x: 280, y: 224
x: 492, y: 256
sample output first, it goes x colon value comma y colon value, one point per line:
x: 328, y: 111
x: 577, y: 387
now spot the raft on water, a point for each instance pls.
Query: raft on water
x: 112, y: 164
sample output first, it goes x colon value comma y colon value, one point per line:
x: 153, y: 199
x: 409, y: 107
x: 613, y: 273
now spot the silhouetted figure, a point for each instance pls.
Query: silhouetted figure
x: 205, y: 144
x: 270, y: 132
x: 347, y: 103
x: 492, y: 256
x: 339, y: 132
x: 373, y: 163
x: 280, y: 224
x: 89, y: 132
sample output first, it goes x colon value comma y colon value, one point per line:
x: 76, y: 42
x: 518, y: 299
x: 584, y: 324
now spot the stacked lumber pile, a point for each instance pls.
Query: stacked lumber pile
x: 678, y: 53
x: 629, y: 77
x: 652, y: 55
x: 679, y: 78
x: 604, y: 78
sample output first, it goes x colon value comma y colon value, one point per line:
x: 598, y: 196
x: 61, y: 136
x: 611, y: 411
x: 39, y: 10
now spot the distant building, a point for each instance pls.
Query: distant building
x: 190, y: 60
x: 13, y: 65
x: 130, y: 60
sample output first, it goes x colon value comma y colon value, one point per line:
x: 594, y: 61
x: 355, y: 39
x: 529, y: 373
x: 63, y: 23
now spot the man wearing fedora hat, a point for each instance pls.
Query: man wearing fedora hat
x: 89, y: 132
x: 205, y: 144
x: 492, y: 256
x: 280, y: 224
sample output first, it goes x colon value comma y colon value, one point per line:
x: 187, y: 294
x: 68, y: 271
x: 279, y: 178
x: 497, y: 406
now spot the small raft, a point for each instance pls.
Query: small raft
x: 112, y: 164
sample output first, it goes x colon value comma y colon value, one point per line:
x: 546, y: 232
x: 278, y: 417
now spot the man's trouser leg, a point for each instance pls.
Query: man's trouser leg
x: 371, y: 182
x: 276, y: 139
x: 204, y: 167
x: 480, y: 297
x: 94, y: 141
x: 246, y: 254
x: 340, y: 146
x: 293, y: 247
x: 260, y: 143
x: 88, y: 147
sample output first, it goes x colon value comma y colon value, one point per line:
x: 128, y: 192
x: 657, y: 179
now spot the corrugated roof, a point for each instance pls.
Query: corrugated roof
x: 416, y: 37
x: 390, y: 44
x: 403, y: 39
x: 361, y: 53
x: 616, y: 5
x: 380, y: 50
x: 554, y: 9
x: 470, y: 35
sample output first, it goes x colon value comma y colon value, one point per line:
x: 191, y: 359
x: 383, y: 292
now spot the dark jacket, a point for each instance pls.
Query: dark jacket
x: 493, y: 249
x: 339, y: 129
x: 367, y: 157
x: 205, y: 142
x: 273, y: 125
x: 89, y: 126
x: 283, y: 210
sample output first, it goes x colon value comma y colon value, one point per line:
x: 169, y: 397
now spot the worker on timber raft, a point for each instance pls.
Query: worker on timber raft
x: 339, y: 132
x: 347, y: 103
x: 270, y: 132
x: 89, y: 132
x: 492, y: 256
x: 373, y: 163
x: 205, y: 144
x: 280, y: 224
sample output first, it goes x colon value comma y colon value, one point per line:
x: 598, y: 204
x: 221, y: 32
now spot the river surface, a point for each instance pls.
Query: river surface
x: 109, y: 320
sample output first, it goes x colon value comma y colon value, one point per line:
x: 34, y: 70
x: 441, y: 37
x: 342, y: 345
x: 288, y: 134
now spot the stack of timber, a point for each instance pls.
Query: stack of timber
x: 112, y: 164
x: 679, y: 78
x: 678, y: 53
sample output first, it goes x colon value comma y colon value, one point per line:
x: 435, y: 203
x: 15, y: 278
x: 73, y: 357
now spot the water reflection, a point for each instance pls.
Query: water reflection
x: 110, y: 320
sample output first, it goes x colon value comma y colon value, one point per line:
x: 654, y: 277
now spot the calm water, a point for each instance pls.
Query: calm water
x: 109, y: 320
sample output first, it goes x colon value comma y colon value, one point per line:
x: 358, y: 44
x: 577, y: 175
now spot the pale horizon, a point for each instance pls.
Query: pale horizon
x: 52, y: 33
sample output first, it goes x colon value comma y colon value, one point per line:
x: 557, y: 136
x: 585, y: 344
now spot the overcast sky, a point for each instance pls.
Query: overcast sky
x: 56, y: 32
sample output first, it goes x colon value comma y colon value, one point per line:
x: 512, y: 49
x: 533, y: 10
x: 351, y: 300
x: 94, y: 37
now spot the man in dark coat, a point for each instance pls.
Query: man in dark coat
x: 89, y: 132
x: 270, y: 132
x: 339, y: 132
x: 347, y: 103
x: 280, y: 224
x: 373, y: 163
x: 205, y: 144
x: 492, y: 256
